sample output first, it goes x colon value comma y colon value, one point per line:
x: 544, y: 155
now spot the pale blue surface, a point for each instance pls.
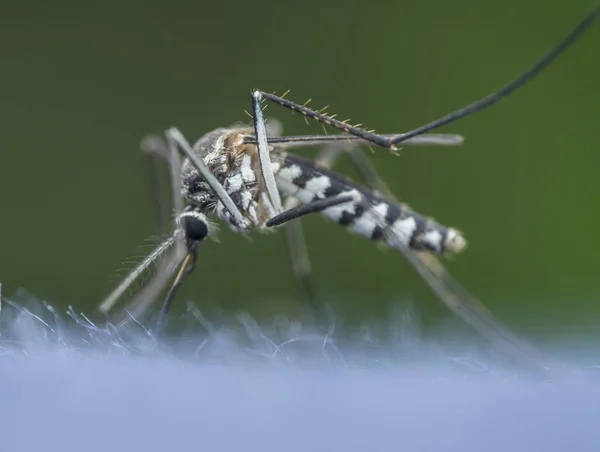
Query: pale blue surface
x: 94, y: 403
x: 70, y: 386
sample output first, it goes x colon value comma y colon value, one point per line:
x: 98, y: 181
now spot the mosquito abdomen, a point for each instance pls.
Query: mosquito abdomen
x: 369, y: 214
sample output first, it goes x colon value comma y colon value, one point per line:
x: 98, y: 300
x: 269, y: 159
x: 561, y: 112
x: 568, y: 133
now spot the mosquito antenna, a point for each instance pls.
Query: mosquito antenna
x: 511, y: 86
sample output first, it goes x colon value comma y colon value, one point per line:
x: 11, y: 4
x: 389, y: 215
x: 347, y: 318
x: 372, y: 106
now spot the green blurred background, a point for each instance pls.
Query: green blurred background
x: 82, y: 84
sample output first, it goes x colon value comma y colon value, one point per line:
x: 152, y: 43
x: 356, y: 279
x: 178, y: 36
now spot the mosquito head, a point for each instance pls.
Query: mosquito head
x: 454, y: 241
x: 194, y: 225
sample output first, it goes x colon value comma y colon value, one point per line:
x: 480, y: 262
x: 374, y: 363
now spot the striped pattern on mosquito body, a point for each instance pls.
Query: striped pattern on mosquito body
x: 236, y: 167
x: 370, y: 215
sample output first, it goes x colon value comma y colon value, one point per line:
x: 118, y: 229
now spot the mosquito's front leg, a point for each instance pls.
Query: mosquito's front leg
x: 154, y: 148
x: 263, y: 152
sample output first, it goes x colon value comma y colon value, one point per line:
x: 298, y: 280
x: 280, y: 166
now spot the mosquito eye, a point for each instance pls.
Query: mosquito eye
x: 194, y: 226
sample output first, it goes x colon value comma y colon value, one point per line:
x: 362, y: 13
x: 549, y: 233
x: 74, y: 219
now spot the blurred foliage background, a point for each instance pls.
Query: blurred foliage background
x: 82, y: 83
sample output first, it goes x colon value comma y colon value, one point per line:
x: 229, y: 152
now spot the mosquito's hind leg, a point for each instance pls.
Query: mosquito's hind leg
x: 298, y: 251
x: 301, y: 267
x: 389, y: 142
x: 439, y: 280
x: 298, y: 255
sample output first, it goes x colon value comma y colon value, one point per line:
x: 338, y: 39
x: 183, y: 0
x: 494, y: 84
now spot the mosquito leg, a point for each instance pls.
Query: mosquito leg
x: 439, y: 280
x: 158, y: 206
x: 155, y: 148
x: 263, y: 152
x: 113, y: 297
x: 282, y: 142
x: 195, y: 227
x: 334, y: 145
x: 298, y: 254
x: 490, y: 99
x: 368, y: 173
x: 140, y: 304
x: 300, y: 261
x: 295, y: 241
x: 305, y: 209
x: 186, y: 268
x: 299, y: 258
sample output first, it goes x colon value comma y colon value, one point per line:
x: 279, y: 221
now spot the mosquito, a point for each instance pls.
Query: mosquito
x: 246, y: 177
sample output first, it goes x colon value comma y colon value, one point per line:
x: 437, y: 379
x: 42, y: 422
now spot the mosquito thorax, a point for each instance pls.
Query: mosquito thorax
x: 236, y: 167
x: 194, y: 225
